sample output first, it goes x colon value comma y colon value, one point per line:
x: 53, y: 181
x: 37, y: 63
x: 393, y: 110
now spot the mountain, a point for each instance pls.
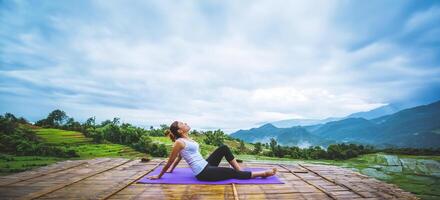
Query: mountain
x: 299, y: 136
x: 381, y: 111
x: 259, y: 134
x: 296, y: 135
x: 301, y: 122
x: 371, y: 114
x: 418, y: 126
x: 349, y: 130
x: 412, y: 127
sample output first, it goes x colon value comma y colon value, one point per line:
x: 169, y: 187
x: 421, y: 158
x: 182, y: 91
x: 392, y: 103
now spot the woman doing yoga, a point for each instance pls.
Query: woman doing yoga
x: 204, y: 170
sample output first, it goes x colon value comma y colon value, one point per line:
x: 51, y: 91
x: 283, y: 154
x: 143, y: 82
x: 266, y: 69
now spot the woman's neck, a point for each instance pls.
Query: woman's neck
x: 186, y: 136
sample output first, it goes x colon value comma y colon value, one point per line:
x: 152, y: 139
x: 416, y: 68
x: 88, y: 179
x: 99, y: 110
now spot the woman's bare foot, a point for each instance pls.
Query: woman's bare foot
x: 264, y: 174
x: 270, y: 172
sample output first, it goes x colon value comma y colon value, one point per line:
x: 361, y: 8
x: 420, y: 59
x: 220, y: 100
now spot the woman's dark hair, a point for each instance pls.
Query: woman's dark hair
x: 172, y: 132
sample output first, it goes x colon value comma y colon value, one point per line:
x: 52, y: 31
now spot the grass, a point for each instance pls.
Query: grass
x: 106, y: 150
x: 423, y: 186
x: 436, y: 158
x: 12, y: 164
x: 82, y: 145
x: 162, y: 140
x: 62, y: 137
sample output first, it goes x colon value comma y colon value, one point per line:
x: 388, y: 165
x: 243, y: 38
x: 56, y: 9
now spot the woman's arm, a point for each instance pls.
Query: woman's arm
x: 175, y: 163
x: 178, y: 146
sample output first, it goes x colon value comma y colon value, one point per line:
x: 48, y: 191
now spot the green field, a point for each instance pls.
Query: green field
x: 82, y: 145
x: 12, y: 164
x: 417, y: 174
x: 61, y: 137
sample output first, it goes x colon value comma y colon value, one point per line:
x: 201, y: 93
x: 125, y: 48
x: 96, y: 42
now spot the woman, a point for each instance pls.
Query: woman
x: 204, y: 170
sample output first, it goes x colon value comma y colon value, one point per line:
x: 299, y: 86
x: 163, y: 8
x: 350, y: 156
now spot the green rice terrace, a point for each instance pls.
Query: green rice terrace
x: 73, y: 140
x: 83, y: 145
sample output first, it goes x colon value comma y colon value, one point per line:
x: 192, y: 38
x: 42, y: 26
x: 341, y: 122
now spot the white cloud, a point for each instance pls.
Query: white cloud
x: 424, y: 18
x: 154, y: 62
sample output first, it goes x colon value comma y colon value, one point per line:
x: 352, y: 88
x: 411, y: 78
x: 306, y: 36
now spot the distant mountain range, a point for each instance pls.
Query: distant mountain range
x: 301, y: 122
x: 411, y: 127
x: 377, y: 112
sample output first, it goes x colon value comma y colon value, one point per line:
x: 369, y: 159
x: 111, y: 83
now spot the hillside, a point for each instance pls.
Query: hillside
x: 414, y: 127
x: 348, y: 130
x: 417, y: 127
x: 260, y: 134
x: 300, y: 122
x: 83, y: 145
x: 297, y: 136
x: 379, y: 112
x: 71, y: 140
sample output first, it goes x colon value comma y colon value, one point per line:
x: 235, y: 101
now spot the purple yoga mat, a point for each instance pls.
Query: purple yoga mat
x: 185, y: 176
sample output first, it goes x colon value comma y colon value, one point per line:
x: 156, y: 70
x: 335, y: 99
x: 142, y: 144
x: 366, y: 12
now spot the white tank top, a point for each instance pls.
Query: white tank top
x: 192, y: 156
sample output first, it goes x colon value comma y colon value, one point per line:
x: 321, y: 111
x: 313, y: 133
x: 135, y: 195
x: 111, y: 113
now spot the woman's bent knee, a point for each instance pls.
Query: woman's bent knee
x: 224, y: 146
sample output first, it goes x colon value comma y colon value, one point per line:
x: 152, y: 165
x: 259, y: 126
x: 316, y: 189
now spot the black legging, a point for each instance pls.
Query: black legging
x: 212, y: 172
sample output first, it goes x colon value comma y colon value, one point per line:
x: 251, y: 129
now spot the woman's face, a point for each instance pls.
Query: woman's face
x: 183, y: 127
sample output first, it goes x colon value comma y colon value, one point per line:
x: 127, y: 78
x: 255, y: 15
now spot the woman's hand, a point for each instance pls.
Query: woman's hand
x: 154, y: 177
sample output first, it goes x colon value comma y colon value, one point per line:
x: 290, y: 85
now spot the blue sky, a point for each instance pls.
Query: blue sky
x: 216, y: 64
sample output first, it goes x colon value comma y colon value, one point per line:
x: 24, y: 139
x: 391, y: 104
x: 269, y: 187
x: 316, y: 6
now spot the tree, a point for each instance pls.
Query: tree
x: 164, y: 127
x: 257, y: 148
x: 97, y: 135
x: 158, y: 150
x: 295, y: 152
x: 145, y: 143
x: 334, y: 152
x: 105, y: 122
x: 7, y: 125
x: 317, y: 152
x: 156, y: 132
x: 55, y: 119
x: 70, y: 123
x: 279, y: 151
x: 242, y: 147
x: 194, y: 133
x: 11, y: 117
x: 214, y: 138
x: 90, y: 122
x: 116, y: 121
x: 273, y: 144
